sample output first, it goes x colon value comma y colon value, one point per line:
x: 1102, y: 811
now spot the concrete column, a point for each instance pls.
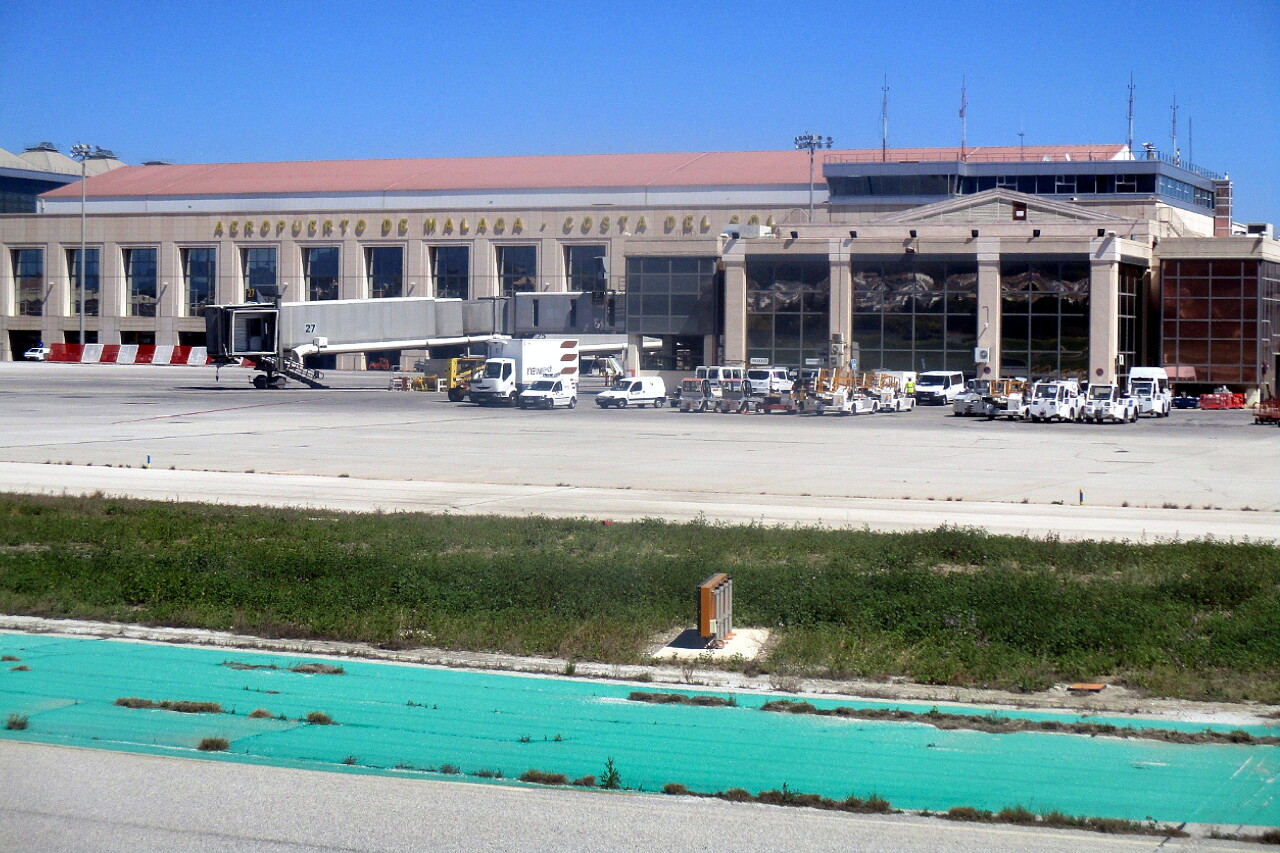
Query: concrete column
x: 631, y: 357
x: 735, y: 308
x: 989, y: 316
x: 1104, y: 308
x: 841, y: 292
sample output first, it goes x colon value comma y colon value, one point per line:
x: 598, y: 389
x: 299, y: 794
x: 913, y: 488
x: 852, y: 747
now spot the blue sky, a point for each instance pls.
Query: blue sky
x: 198, y: 81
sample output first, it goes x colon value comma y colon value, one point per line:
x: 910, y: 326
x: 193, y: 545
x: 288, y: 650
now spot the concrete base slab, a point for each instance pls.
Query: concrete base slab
x: 745, y: 643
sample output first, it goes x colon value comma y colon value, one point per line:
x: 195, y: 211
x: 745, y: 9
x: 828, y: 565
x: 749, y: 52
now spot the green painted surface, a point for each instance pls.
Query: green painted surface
x: 393, y: 716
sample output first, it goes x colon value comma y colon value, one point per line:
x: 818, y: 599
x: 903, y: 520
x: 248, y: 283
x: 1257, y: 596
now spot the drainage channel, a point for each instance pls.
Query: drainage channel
x: 422, y: 721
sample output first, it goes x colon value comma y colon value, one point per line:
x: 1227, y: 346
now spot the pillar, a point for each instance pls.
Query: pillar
x: 735, y: 309
x: 1104, y: 308
x: 989, y: 304
x: 841, y: 303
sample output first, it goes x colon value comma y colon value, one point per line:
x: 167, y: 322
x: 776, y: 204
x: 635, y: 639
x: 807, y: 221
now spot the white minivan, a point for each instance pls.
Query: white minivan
x: 637, y: 391
x: 549, y: 394
x: 939, y: 387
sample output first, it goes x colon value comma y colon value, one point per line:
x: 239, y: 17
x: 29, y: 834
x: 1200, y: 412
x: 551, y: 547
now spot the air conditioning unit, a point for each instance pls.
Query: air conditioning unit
x: 981, y: 355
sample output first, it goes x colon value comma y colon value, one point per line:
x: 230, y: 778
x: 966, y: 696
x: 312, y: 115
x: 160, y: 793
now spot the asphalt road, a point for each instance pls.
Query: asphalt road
x: 361, y: 447
x: 59, y: 799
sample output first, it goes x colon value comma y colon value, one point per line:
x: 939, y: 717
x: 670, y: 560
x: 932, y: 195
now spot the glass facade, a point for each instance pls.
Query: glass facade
x: 913, y: 313
x: 1211, y: 311
x: 321, y: 272
x: 517, y: 269
x: 199, y: 277
x: 585, y: 266
x: 671, y: 296
x: 140, y: 281
x: 258, y: 268
x: 92, y: 281
x: 1045, y: 318
x: 788, y: 309
x: 385, y: 266
x: 451, y: 269
x: 28, y: 281
x: 1129, y: 319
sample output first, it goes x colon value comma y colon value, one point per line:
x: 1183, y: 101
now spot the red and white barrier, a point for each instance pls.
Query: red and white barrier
x: 128, y: 354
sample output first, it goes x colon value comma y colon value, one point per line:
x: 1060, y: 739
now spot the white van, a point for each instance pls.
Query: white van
x: 637, y: 391
x: 939, y: 387
x: 549, y: 394
x: 767, y: 381
x: 1150, y: 386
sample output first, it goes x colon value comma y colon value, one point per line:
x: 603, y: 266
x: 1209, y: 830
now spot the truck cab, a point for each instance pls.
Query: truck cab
x: 1149, y: 386
x: 549, y: 394
x: 1056, y: 401
x: 495, y: 382
x: 1106, y: 403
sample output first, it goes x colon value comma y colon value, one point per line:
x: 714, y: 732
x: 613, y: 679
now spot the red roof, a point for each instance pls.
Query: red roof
x: 572, y: 171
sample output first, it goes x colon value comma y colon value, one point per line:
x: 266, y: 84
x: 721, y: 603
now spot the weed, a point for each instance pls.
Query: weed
x: 351, y: 759
x: 450, y: 769
x: 214, y: 744
x: 22, y: 667
x: 584, y: 782
x: 317, y: 669
x: 9, y: 658
x: 16, y: 723
x: 487, y: 774
x: 180, y: 707
x: 319, y: 718
x: 610, y: 779
x: 675, y: 789
x: 261, y: 714
x: 540, y: 778
x: 525, y: 739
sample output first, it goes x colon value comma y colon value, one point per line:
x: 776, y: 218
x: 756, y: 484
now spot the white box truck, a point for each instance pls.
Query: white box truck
x: 516, y: 363
x: 1150, y: 387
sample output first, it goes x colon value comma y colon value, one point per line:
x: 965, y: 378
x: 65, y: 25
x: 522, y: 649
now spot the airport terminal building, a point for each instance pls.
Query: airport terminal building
x: 1018, y: 261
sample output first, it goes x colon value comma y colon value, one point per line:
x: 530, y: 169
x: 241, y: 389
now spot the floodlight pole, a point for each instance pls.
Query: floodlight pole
x: 812, y: 142
x: 81, y: 152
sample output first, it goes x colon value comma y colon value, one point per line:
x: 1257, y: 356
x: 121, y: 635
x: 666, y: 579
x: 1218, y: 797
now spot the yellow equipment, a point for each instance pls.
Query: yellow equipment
x: 459, y: 375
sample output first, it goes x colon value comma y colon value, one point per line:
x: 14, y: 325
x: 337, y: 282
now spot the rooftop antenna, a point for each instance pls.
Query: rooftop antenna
x: 1022, y: 142
x: 884, y: 121
x: 1129, y: 140
x: 1173, y: 135
x: 964, y: 104
x: 1191, y: 151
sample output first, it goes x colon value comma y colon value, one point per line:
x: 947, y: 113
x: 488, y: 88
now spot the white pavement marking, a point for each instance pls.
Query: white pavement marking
x: 879, y: 514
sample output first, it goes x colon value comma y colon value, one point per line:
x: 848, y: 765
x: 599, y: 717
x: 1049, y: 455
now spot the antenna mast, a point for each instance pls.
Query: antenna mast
x: 1173, y: 136
x: 884, y: 121
x: 1129, y: 141
x: 964, y: 103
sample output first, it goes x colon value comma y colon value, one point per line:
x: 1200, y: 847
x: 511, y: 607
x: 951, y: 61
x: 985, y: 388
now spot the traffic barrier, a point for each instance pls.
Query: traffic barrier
x: 128, y: 354
x: 1222, y: 401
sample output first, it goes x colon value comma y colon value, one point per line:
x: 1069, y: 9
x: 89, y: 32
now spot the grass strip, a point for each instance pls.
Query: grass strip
x: 181, y: 707
x: 682, y: 699
x: 1195, y: 620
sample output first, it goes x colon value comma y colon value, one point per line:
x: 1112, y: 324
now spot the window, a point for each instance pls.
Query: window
x: 28, y: 279
x: 1213, y: 331
x: 451, y: 269
x: 258, y: 268
x: 1044, y: 318
x: 915, y: 314
x: 586, y: 268
x: 788, y: 303
x: 671, y: 296
x: 92, y: 281
x: 517, y: 269
x: 140, y: 281
x: 385, y: 265
x: 320, y: 272
x: 199, y: 277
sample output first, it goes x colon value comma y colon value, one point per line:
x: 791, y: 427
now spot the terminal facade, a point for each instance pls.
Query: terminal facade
x: 1077, y: 261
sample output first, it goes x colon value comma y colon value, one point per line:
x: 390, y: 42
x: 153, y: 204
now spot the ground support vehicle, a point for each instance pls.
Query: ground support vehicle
x: 639, y: 391
x: 459, y: 374
x: 515, y: 363
x: 1056, y: 401
x: 762, y: 404
x: 767, y: 381
x: 848, y: 402
x: 887, y: 389
x: 973, y: 400
x: 712, y: 388
x: 1268, y: 412
x: 550, y: 394
x: 1007, y: 398
x: 1106, y: 403
x: 1149, y: 386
